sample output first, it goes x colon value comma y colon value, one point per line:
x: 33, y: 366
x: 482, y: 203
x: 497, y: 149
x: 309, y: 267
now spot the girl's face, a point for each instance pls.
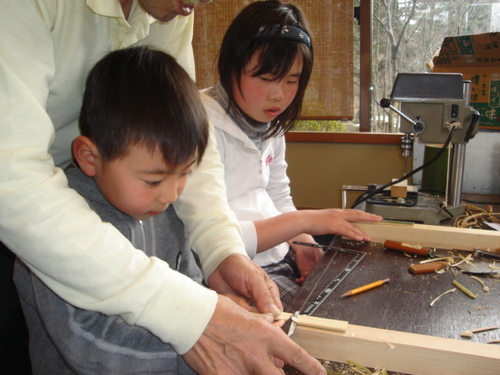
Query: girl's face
x: 262, y: 97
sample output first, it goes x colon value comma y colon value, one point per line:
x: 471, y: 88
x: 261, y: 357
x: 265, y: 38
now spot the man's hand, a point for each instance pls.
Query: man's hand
x: 238, y: 342
x: 239, y: 275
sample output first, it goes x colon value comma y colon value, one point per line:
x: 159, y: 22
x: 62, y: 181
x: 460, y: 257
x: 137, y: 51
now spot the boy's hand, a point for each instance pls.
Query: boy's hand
x: 239, y: 275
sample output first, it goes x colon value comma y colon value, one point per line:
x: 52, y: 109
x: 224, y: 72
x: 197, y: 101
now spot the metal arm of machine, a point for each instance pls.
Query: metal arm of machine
x: 418, y: 126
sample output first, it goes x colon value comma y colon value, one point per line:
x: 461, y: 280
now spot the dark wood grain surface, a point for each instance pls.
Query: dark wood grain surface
x: 403, y: 303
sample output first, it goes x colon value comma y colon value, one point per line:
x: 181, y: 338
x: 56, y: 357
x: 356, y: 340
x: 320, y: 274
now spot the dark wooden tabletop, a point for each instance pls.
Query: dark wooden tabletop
x: 403, y: 304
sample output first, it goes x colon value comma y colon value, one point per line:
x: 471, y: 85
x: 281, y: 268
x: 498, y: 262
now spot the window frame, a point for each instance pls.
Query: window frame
x: 358, y: 137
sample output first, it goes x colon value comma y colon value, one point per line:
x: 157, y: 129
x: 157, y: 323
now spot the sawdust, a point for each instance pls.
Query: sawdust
x: 337, y: 368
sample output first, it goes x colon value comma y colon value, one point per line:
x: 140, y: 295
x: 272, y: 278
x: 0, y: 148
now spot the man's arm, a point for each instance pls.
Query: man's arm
x: 86, y: 262
x: 213, y: 229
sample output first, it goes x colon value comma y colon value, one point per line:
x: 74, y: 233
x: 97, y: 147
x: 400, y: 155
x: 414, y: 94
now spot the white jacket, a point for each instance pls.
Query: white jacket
x: 47, y: 48
x: 256, y: 182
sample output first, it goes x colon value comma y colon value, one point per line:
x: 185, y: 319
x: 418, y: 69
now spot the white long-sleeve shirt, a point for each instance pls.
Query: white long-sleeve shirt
x: 256, y: 180
x: 47, y: 48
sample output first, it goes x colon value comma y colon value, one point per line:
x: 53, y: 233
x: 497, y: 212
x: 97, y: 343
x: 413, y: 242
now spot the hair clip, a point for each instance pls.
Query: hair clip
x: 287, y: 32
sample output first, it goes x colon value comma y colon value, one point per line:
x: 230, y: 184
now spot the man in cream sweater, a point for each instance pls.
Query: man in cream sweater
x: 47, y: 47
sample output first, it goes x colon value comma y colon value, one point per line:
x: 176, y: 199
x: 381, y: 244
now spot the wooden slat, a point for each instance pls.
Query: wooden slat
x: 399, y: 351
x: 315, y: 322
x: 433, y: 235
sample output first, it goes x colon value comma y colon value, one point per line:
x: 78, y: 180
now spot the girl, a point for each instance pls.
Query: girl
x: 265, y: 62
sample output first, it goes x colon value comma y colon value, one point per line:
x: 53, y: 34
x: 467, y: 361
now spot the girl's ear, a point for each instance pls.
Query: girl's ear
x: 86, y: 155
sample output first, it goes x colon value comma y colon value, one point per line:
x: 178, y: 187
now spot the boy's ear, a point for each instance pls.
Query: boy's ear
x: 86, y: 155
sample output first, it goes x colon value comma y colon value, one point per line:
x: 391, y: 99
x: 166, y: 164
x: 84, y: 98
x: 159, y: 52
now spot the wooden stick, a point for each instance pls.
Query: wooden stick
x: 433, y: 235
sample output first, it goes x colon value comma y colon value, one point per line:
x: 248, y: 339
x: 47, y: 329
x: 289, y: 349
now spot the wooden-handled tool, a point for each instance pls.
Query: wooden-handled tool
x: 413, y: 249
x: 485, y: 254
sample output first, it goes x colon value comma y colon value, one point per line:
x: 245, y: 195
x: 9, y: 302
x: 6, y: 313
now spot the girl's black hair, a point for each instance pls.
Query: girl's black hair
x: 143, y: 96
x: 276, y: 54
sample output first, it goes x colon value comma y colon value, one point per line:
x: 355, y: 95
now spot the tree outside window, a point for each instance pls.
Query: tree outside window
x: 405, y: 36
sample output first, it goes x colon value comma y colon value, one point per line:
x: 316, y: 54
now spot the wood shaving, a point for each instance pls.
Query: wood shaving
x: 360, y: 369
x: 475, y: 217
x: 442, y: 294
x: 485, y: 288
x: 467, y: 259
x: 467, y: 334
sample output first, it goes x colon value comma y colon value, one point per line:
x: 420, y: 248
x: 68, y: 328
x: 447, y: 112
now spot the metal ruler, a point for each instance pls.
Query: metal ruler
x: 358, y: 256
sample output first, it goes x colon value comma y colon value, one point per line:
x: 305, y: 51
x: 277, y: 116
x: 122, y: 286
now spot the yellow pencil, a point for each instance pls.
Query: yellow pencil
x: 364, y: 287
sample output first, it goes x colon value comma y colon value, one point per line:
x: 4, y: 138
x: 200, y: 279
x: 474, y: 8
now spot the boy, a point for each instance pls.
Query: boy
x: 143, y: 128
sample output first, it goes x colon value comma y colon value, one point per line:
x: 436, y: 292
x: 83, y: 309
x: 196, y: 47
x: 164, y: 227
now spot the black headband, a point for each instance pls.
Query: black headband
x: 287, y: 32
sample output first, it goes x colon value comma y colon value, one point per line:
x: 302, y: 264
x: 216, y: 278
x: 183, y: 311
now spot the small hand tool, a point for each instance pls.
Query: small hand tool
x: 289, y: 326
x: 485, y: 254
x: 414, y: 249
x: 479, y: 266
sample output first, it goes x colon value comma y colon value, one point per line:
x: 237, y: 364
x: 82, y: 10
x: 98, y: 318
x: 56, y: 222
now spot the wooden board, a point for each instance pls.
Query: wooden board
x: 433, y: 235
x: 399, y: 351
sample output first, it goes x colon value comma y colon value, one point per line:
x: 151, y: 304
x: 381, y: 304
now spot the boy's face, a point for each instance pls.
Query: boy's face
x: 141, y: 184
x: 262, y: 97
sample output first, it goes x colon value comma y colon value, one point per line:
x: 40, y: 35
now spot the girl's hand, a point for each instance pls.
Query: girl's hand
x: 306, y: 257
x: 336, y: 221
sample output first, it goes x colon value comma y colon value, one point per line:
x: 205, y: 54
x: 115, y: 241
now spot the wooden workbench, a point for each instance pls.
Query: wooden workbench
x: 393, y: 325
x: 403, y: 303
x: 400, y: 307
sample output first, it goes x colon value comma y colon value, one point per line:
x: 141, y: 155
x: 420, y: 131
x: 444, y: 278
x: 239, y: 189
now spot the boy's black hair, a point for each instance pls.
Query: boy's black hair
x: 143, y: 96
x: 276, y: 54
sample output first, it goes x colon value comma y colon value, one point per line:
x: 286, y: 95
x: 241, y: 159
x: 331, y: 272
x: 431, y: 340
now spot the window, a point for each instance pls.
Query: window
x: 360, y: 46
x: 407, y: 33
